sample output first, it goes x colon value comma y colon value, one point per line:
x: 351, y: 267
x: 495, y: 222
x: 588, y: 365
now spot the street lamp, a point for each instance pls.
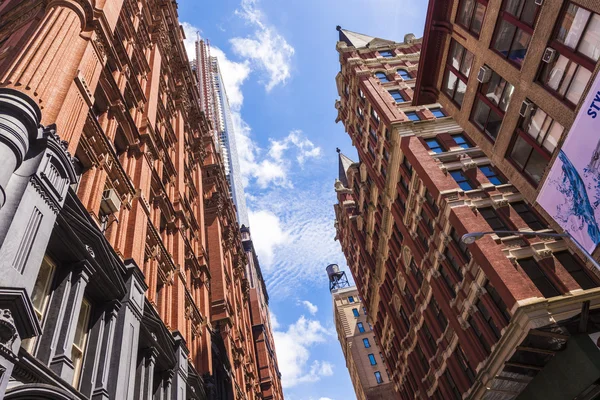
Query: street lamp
x: 470, y: 238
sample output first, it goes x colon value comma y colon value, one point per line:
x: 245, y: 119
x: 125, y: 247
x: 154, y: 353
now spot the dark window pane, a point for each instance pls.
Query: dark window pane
x: 465, y: 12
x: 504, y: 37
x: 434, y: 145
x: 478, y: 18
x: 576, y: 270
x: 527, y: 214
x: 482, y: 111
x: 519, y: 47
x: 538, y: 277
x: 413, y: 116
x: 493, y: 124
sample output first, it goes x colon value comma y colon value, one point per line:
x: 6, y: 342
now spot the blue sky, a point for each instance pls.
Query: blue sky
x: 279, y: 64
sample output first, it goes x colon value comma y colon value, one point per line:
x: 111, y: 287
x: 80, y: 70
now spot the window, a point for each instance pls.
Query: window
x: 455, y: 391
x: 422, y: 358
x: 409, y: 298
x: 464, y: 364
x: 40, y: 296
x: 416, y: 272
x: 366, y: 343
x: 431, y: 201
x: 429, y: 337
x: 577, y: 43
x: 462, y: 180
x: 517, y: 19
x: 404, y: 74
x: 386, y: 154
x: 470, y: 15
x: 437, y: 112
x: 413, y: 116
x: 492, y: 101
x: 495, y: 296
x: 447, y: 281
x: 434, y: 145
x: 533, y: 143
x: 528, y: 215
x: 461, y: 141
x: 577, y: 271
x: 81, y: 331
x: 350, y: 299
x: 407, y: 164
x: 360, y: 327
x: 361, y: 95
x: 359, y: 111
x: 488, y: 318
x: 386, y: 53
x: 404, y: 319
x: 479, y: 335
x: 378, y: 377
x: 355, y: 312
x: 370, y: 326
x: 538, y: 277
x: 373, y: 133
x: 398, y: 96
x: 453, y: 263
x: 494, y: 220
x: 382, y: 77
x: 365, y: 310
x: 492, y: 175
x: 372, y: 359
x: 428, y: 221
x: 458, y: 68
x: 439, y: 316
x: 375, y: 115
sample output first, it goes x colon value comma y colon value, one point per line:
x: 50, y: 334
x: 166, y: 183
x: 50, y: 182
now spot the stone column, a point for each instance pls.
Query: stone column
x: 123, y: 359
x: 146, y: 378
x: 19, y: 120
x: 100, y: 391
x: 61, y: 363
x: 179, y: 386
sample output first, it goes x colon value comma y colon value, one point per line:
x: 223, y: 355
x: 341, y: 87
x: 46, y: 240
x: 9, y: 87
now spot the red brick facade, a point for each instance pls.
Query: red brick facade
x: 115, y: 79
x: 452, y: 320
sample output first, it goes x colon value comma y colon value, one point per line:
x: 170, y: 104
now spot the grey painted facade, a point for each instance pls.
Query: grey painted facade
x: 74, y: 320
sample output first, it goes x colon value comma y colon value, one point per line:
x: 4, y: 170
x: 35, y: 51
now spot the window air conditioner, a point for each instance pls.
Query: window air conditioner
x: 111, y: 203
x: 527, y: 108
x: 549, y: 55
x: 484, y: 75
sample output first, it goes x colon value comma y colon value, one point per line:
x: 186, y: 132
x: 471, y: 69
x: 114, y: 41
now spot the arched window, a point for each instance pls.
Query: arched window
x: 382, y: 77
x: 404, y: 74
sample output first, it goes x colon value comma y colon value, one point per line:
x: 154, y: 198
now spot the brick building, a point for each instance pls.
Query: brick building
x: 506, y: 317
x: 368, y: 372
x: 262, y: 331
x: 122, y: 266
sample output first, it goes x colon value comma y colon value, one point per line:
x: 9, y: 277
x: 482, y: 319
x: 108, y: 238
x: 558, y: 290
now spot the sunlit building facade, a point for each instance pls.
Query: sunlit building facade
x: 502, y: 318
x: 364, y: 360
x: 121, y: 262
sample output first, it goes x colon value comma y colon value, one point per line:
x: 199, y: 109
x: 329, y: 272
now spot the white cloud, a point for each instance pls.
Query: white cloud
x: 274, y: 321
x: 312, y: 309
x: 293, y: 352
x: 267, y: 234
x: 265, y: 48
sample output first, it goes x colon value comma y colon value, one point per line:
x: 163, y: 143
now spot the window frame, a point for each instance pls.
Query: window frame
x: 29, y: 343
x: 407, y: 78
x: 469, y: 28
x: 378, y: 377
x: 492, y: 174
x: 366, y: 343
x: 464, y: 179
x: 495, y: 217
x: 543, y: 278
x: 82, y: 347
x: 533, y: 142
x: 394, y: 91
x: 382, y: 77
x: 580, y: 269
x: 481, y: 97
x: 355, y: 312
x: 414, y: 114
x: 387, y: 53
x: 464, y: 138
x: 505, y: 16
x: 438, y: 145
x: 372, y: 359
x: 361, y: 327
x: 572, y: 56
x: 458, y: 74
x: 526, y: 211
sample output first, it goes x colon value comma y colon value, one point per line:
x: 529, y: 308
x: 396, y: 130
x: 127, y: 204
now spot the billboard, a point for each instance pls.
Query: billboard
x: 571, y: 193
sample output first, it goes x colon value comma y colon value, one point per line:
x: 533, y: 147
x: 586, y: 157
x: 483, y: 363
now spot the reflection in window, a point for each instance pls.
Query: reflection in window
x: 461, y: 141
x: 79, y: 342
x: 462, y: 180
x: 413, y: 116
x: 516, y: 27
x: 40, y: 296
x: 404, y: 74
x: 534, y: 142
x: 434, y: 145
x: 398, y: 96
x: 577, y: 43
x: 492, y: 101
x: 492, y: 175
x: 470, y: 15
x: 458, y: 68
x: 382, y: 77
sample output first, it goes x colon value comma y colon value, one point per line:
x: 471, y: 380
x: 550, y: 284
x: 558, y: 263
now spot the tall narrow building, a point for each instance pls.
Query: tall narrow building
x: 364, y: 360
x: 503, y: 317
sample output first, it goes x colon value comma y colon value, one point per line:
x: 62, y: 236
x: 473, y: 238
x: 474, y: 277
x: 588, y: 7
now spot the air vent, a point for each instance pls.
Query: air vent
x: 549, y: 55
x: 111, y: 203
x: 527, y: 108
x: 484, y: 75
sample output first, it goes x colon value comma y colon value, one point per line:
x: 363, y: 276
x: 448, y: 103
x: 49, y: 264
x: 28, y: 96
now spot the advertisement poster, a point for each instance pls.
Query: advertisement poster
x: 571, y: 193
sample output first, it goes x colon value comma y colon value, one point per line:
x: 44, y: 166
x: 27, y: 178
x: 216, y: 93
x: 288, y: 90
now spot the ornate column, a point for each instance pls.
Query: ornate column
x: 146, y: 379
x: 123, y: 358
x: 179, y: 386
x: 61, y: 362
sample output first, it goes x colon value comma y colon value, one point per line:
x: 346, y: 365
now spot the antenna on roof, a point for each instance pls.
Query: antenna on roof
x: 338, y: 150
x: 338, y: 28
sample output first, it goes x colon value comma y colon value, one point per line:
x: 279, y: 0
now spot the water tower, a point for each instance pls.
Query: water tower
x: 337, y: 278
